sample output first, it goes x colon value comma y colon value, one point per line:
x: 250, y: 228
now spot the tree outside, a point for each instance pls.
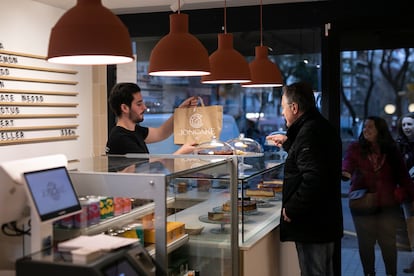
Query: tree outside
x: 375, y: 82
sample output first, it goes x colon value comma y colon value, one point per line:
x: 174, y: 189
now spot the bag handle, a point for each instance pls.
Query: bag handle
x: 199, y: 99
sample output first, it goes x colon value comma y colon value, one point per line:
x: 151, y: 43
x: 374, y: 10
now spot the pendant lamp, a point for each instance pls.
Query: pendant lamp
x: 179, y: 53
x: 264, y: 73
x: 89, y: 34
x: 227, y: 65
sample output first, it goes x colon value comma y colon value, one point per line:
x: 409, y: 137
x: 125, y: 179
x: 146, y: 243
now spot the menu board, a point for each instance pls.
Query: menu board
x: 38, y: 100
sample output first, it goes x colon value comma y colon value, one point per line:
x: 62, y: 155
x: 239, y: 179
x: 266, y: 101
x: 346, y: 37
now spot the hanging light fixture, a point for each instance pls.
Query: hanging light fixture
x: 89, y: 34
x: 227, y: 65
x: 264, y: 73
x: 179, y: 53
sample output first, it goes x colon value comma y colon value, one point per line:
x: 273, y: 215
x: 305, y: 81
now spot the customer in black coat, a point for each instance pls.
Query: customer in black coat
x: 311, y: 205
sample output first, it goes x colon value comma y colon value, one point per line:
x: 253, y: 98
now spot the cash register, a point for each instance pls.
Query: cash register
x: 52, y: 196
x: 132, y: 260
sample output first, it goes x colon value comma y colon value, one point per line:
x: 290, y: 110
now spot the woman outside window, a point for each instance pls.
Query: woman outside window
x: 375, y: 165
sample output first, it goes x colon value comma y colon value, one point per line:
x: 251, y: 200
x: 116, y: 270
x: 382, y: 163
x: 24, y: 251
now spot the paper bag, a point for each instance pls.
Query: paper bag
x: 197, y: 124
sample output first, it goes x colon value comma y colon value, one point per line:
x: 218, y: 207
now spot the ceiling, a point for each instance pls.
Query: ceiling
x: 280, y: 41
x: 144, y: 6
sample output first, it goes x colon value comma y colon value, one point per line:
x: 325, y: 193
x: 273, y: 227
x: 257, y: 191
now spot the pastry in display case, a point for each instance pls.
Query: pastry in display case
x: 276, y: 185
x: 215, y: 215
x: 245, y: 146
x: 242, y: 206
x: 214, y: 147
x: 260, y: 192
x: 266, y: 189
x: 182, y: 187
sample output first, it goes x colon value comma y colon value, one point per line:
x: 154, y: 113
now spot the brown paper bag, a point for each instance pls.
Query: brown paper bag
x: 197, y: 125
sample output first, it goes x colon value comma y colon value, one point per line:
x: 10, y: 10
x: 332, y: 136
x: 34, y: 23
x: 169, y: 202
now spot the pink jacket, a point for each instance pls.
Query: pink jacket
x: 384, y: 181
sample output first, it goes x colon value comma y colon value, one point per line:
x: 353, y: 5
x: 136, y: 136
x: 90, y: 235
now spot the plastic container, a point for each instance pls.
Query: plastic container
x: 214, y: 147
x: 245, y: 146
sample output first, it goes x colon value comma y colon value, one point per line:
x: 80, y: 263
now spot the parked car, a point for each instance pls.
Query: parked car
x: 229, y: 131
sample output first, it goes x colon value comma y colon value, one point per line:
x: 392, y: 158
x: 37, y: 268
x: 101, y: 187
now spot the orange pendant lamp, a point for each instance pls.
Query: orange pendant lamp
x: 264, y: 73
x: 227, y: 65
x: 179, y: 53
x: 89, y: 34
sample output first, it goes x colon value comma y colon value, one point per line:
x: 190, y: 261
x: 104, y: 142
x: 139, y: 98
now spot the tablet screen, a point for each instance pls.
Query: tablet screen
x: 52, y: 193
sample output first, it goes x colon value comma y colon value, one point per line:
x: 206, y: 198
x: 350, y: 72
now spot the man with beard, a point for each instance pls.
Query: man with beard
x: 126, y: 101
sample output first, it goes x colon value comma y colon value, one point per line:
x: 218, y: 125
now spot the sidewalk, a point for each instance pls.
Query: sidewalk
x: 351, y: 264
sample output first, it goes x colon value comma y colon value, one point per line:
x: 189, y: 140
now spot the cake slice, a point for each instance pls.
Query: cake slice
x: 260, y: 192
x: 215, y: 215
x: 276, y: 185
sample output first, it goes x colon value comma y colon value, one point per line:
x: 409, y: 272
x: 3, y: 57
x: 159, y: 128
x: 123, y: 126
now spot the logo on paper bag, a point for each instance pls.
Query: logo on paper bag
x: 196, y: 123
x: 196, y: 120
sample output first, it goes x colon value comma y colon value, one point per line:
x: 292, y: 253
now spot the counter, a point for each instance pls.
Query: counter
x: 221, y: 248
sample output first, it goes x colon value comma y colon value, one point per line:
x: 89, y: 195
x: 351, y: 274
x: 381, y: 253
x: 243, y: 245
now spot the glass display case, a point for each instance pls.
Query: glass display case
x: 257, y: 214
x: 196, y: 212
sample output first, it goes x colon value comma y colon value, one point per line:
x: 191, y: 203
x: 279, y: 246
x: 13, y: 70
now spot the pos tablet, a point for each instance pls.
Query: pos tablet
x: 52, y: 194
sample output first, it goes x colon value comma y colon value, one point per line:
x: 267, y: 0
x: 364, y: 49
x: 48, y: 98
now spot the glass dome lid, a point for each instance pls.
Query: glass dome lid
x: 246, y: 146
x: 214, y: 147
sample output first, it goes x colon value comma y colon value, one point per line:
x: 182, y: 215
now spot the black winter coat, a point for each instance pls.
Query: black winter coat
x: 312, y: 181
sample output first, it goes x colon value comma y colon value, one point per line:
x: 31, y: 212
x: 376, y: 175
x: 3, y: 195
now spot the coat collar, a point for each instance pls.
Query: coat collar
x: 293, y: 130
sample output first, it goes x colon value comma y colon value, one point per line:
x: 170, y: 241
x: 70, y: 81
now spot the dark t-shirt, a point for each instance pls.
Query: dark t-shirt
x: 123, y: 141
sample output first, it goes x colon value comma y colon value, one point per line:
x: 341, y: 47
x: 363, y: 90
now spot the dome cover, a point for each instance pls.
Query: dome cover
x: 245, y: 146
x: 214, y: 147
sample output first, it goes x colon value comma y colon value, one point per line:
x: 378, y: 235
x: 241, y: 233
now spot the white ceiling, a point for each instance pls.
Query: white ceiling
x: 143, y: 6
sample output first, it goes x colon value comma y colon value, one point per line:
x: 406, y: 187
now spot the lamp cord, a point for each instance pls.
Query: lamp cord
x: 261, y: 24
x: 179, y: 6
x: 225, y: 17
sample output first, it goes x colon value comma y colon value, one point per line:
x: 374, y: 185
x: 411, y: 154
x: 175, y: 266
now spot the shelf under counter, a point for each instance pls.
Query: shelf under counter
x: 61, y: 234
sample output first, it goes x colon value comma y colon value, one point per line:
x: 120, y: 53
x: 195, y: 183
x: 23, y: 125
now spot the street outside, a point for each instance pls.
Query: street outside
x: 351, y: 265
